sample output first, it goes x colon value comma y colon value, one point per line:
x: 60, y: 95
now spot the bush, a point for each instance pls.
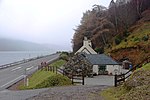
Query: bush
x: 64, y: 57
x: 145, y: 38
x: 132, y: 37
x: 99, y: 50
x: 55, y: 80
x: 136, y: 39
x: 125, y: 40
x: 117, y: 40
x: 126, y: 34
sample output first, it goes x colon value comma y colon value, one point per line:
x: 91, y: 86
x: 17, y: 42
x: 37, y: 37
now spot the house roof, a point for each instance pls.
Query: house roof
x: 99, y: 59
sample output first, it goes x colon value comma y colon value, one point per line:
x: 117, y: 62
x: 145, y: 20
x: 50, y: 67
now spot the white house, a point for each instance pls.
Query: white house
x: 100, y: 62
x: 103, y: 63
x: 87, y: 47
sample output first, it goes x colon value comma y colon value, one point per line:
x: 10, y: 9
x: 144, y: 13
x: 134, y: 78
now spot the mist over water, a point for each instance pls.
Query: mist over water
x: 12, y: 56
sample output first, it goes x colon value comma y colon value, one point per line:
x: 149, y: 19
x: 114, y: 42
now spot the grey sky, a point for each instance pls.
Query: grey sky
x: 43, y: 21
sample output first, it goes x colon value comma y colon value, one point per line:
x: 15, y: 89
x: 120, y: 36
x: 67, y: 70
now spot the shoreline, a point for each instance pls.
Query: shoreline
x: 23, y: 61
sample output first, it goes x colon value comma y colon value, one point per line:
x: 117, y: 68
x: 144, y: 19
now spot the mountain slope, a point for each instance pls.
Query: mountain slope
x: 135, y: 47
x: 18, y: 45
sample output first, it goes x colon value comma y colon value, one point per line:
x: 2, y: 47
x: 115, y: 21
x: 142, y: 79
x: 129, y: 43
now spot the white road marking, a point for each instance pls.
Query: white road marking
x: 12, y: 80
x: 15, y: 68
x: 29, y: 68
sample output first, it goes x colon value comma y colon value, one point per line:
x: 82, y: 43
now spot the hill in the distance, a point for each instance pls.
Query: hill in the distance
x: 19, y: 45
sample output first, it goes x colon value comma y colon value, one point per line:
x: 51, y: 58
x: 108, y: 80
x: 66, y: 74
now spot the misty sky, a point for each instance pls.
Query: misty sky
x: 43, y: 21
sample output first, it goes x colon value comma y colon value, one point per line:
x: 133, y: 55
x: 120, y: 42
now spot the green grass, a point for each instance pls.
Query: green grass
x: 147, y: 66
x: 43, y: 79
x: 58, y: 63
x: 36, y: 79
x: 115, y: 93
x: 55, y: 80
x: 135, y: 38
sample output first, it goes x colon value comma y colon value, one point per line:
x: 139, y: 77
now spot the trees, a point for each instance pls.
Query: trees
x: 101, y: 24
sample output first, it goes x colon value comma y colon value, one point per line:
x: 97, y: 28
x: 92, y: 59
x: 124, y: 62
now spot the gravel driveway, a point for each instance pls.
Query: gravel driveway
x: 100, y: 80
x: 85, y: 92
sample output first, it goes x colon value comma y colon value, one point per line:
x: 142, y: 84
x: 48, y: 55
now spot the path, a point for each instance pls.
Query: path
x: 85, y: 92
x: 100, y: 80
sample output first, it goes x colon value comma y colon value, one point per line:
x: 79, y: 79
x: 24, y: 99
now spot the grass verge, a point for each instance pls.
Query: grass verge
x: 137, y: 87
x: 58, y: 63
x: 43, y: 79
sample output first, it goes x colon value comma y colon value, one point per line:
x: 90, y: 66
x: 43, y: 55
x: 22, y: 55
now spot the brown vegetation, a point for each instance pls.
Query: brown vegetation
x: 108, y: 28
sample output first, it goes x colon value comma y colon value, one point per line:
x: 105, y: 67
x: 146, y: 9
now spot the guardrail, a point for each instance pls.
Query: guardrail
x: 20, y: 62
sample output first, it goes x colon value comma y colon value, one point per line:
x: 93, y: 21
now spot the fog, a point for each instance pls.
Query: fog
x: 43, y: 21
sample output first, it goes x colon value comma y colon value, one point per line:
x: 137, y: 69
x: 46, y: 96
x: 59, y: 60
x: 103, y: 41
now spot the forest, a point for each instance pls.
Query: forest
x: 121, y: 31
x: 107, y: 27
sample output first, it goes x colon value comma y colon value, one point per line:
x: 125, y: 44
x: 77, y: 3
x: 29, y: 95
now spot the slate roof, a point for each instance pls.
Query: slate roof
x: 99, y: 59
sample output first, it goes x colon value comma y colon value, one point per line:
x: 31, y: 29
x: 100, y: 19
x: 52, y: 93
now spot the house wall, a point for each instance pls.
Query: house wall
x: 95, y: 69
x: 111, y: 69
x: 86, y: 51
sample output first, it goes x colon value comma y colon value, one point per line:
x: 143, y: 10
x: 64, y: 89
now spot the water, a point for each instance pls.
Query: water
x: 12, y: 56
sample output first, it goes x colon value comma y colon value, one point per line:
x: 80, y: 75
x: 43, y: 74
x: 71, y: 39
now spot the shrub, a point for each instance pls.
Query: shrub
x: 99, y: 50
x: 132, y: 37
x: 55, y: 80
x: 145, y: 38
x: 126, y: 34
x: 125, y: 40
x: 136, y: 39
x: 64, y: 57
x: 117, y: 40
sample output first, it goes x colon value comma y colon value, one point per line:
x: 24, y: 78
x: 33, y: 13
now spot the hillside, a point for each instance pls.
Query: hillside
x: 135, y: 47
x: 20, y: 45
x: 122, y: 30
x: 137, y: 87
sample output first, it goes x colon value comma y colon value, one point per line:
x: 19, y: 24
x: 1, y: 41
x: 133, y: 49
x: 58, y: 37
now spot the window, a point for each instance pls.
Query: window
x: 102, y: 68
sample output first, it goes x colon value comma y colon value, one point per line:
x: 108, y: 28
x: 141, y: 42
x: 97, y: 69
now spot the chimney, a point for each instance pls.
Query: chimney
x: 87, y: 42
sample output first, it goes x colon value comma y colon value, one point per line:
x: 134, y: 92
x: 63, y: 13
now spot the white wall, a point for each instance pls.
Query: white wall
x: 95, y: 69
x: 112, y: 68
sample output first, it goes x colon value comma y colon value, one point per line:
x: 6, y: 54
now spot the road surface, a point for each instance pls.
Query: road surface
x: 11, y: 75
x: 84, y: 92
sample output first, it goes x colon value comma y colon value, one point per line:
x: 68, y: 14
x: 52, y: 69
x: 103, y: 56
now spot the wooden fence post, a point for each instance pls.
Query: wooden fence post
x: 63, y: 72
x: 72, y: 77
x: 53, y: 69
x: 115, y: 80
x: 56, y: 69
x: 123, y: 77
x: 82, y: 79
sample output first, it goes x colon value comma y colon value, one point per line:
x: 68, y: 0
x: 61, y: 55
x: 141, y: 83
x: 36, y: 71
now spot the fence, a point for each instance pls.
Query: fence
x: 75, y: 78
x: 119, y: 79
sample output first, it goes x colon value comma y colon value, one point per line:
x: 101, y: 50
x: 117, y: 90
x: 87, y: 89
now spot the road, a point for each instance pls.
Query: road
x: 10, y: 75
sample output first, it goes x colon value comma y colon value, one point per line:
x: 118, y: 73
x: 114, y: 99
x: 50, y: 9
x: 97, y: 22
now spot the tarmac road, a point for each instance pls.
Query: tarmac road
x: 11, y: 75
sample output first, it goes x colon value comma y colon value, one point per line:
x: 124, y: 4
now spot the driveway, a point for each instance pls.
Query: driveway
x: 100, y: 80
x: 85, y: 92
